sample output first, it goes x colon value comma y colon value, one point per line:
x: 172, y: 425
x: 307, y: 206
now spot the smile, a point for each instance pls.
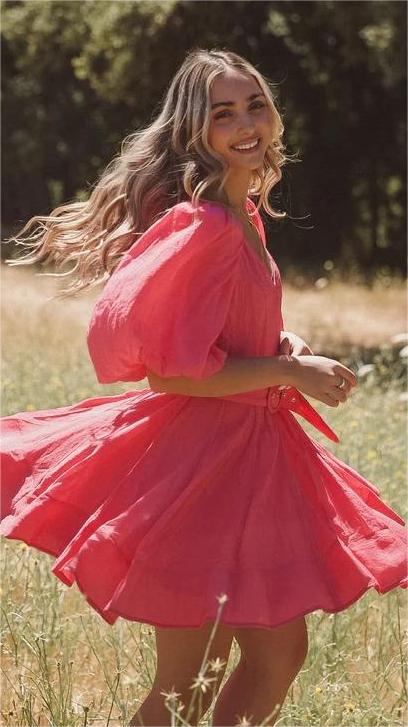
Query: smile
x: 249, y: 146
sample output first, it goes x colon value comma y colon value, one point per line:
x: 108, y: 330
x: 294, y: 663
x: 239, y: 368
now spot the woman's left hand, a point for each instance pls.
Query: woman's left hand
x: 293, y: 345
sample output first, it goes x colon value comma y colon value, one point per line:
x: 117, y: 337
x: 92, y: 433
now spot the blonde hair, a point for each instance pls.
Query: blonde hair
x: 167, y: 162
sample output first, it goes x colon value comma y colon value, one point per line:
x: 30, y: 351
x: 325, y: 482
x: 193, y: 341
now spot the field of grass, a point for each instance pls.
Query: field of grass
x: 63, y: 665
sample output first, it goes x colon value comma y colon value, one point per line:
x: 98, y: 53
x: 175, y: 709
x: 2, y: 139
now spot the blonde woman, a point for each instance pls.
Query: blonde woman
x: 201, y: 490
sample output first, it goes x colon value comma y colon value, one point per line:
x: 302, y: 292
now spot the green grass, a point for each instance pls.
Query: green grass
x: 63, y: 665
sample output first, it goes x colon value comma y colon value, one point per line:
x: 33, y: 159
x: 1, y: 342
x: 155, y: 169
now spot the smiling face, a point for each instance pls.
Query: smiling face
x: 241, y: 126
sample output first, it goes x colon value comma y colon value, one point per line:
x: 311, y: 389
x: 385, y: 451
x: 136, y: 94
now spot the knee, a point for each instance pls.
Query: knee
x: 285, y: 661
x: 299, y: 651
x: 294, y: 655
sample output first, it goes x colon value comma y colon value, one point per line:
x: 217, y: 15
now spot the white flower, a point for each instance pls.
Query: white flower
x: 216, y: 664
x: 202, y: 682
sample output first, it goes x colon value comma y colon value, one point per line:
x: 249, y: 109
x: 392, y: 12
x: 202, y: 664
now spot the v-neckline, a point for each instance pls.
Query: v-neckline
x: 268, y: 271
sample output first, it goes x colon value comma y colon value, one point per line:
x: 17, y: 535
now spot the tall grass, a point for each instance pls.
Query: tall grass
x: 63, y: 665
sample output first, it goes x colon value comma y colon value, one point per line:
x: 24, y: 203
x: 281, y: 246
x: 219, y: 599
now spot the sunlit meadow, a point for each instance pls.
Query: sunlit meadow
x: 63, y: 665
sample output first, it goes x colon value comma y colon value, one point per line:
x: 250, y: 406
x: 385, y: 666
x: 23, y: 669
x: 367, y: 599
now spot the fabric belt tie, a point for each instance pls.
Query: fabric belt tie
x: 276, y: 398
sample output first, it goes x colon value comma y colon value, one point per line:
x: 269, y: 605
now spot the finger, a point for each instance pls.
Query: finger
x: 338, y: 394
x: 348, y: 374
x: 347, y: 386
x: 344, y: 387
x: 285, y: 346
x: 329, y: 400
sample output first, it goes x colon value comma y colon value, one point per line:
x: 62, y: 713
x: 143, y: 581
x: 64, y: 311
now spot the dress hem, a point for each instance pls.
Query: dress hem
x: 62, y: 576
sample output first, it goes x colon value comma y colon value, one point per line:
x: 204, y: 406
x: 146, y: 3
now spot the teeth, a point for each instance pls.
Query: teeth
x: 246, y: 146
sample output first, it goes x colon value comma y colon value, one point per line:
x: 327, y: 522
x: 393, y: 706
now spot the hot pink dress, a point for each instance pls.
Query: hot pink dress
x: 157, y: 504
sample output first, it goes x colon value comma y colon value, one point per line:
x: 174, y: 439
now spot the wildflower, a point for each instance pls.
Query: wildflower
x: 170, y: 695
x: 216, y: 664
x: 244, y: 722
x: 318, y: 690
x: 202, y: 682
x: 350, y: 706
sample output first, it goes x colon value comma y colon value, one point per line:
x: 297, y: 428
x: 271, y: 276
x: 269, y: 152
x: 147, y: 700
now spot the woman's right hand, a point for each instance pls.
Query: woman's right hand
x: 319, y: 377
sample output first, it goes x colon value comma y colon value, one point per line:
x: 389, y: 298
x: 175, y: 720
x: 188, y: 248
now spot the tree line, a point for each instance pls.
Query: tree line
x: 79, y: 76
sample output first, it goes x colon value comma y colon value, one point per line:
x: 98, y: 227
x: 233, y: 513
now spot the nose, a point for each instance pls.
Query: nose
x: 246, y: 123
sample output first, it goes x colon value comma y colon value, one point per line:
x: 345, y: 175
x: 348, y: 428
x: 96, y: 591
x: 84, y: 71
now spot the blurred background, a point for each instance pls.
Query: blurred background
x: 79, y: 76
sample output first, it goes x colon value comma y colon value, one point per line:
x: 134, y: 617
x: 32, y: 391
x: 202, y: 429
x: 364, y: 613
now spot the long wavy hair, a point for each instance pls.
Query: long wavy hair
x: 167, y: 162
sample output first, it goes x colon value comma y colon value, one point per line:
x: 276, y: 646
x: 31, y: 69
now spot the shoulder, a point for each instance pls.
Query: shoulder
x: 206, y: 213
x: 205, y: 227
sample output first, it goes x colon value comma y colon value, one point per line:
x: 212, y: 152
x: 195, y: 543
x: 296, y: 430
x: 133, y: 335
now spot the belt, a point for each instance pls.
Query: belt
x: 276, y: 398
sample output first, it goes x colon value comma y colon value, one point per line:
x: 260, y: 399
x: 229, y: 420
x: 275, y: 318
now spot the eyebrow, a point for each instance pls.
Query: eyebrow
x: 232, y: 103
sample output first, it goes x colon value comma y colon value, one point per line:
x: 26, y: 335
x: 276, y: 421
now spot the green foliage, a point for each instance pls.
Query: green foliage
x: 80, y: 76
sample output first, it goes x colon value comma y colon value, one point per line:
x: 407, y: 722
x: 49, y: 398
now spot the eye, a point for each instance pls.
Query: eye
x: 221, y: 115
x: 254, y: 107
x: 257, y: 105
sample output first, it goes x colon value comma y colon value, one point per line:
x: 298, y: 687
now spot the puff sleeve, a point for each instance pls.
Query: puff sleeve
x: 165, y: 304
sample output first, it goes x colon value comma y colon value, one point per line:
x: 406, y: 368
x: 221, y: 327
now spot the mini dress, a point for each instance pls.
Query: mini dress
x: 157, y: 505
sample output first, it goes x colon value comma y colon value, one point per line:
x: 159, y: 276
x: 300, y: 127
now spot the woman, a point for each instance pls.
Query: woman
x: 203, y: 489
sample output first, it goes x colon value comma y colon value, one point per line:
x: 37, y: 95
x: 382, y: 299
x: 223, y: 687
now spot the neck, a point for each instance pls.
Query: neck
x: 236, y: 188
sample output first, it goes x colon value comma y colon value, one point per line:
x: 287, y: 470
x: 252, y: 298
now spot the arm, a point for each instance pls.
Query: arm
x: 236, y: 376
x: 293, y: 344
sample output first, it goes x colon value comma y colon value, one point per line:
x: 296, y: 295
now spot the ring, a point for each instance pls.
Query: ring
x: 342, y: 385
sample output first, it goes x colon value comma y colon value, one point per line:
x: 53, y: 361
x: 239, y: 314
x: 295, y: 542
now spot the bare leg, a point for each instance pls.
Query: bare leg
x: 179, y: 657
x: 270, y: 660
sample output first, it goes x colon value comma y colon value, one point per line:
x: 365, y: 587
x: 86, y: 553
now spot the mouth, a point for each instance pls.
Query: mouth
x: 248, y: 147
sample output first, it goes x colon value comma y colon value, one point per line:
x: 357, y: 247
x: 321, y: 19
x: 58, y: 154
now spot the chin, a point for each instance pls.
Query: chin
x: 252, y: 166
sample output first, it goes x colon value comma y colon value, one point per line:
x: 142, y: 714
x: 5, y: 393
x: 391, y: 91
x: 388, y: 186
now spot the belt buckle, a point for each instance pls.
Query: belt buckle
x: 273, y: 398
x: 279, y: 396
